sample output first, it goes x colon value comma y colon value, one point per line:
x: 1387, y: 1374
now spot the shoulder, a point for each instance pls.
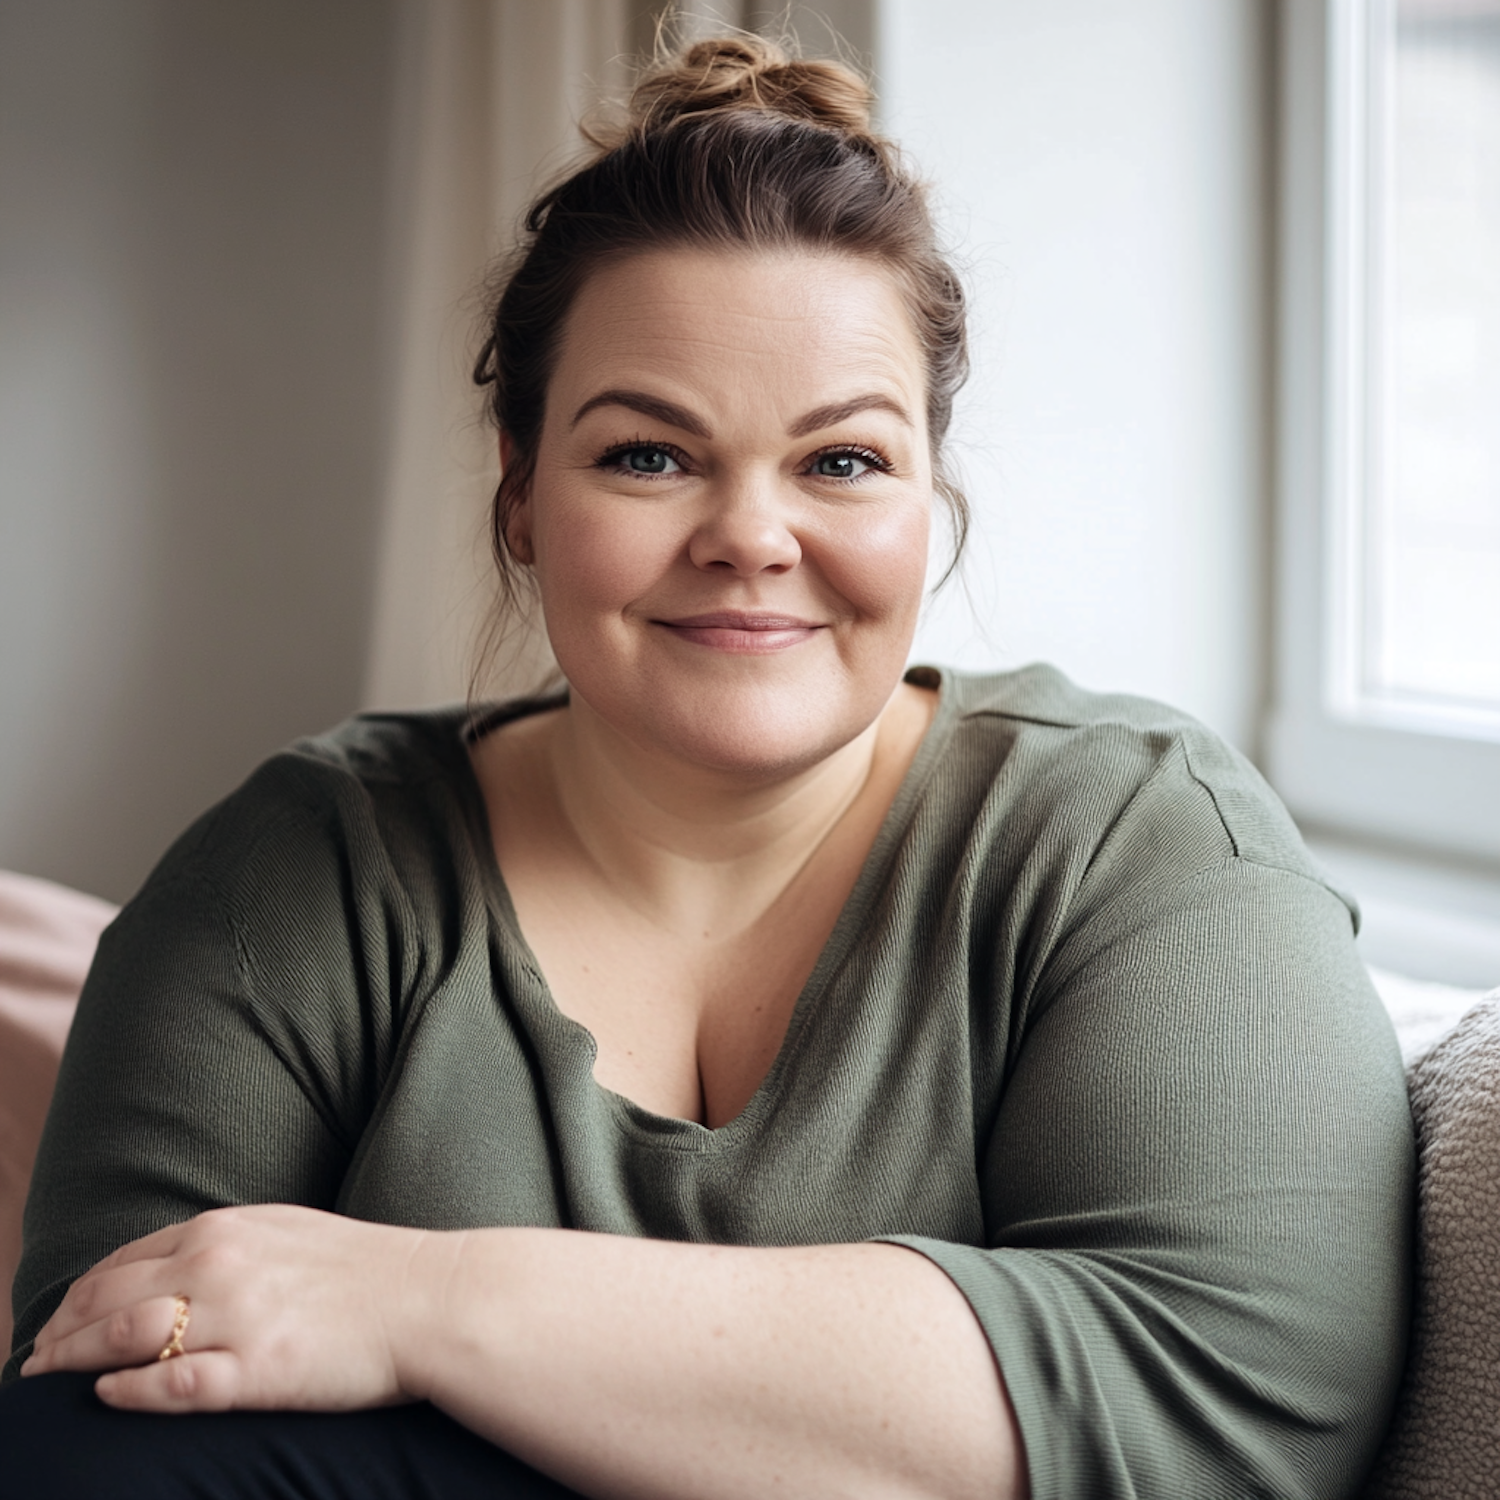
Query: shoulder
x: 369, y: 763
x: 1111, y: 770
x: 362, y: 758
x: 1039, y: 697
x: 317, y: 894
x: 369, y: 806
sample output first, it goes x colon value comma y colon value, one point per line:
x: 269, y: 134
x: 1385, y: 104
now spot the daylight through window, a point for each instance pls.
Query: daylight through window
x: 1417, y: 640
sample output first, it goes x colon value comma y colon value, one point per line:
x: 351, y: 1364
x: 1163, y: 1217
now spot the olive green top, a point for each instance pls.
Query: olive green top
x: 1090, y: 1033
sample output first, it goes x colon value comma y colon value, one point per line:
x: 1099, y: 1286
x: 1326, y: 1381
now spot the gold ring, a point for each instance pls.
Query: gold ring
x: 181, y: 1311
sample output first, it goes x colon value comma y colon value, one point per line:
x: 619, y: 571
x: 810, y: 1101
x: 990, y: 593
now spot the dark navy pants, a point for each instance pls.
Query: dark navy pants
x: 58, y: 1441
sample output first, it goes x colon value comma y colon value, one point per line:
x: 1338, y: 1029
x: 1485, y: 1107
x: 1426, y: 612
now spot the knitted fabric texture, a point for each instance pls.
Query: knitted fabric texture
x: 1445, y: 1440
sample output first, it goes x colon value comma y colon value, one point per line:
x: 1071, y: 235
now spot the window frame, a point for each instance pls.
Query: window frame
x: 1353, y: 775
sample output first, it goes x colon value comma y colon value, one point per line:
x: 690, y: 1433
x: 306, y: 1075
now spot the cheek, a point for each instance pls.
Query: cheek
x: 593, y: 556
x: 879, y: 563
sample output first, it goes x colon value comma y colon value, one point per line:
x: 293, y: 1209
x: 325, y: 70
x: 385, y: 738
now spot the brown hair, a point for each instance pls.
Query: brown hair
x: 730, y: 143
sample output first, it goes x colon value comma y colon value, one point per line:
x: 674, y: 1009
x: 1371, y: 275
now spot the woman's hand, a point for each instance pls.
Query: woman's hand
x: 618, y: 1365
x: 287, y: 1308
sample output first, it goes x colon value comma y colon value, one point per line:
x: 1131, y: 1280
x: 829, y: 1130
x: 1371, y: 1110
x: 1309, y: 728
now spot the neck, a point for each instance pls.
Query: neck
x: 701, y: 853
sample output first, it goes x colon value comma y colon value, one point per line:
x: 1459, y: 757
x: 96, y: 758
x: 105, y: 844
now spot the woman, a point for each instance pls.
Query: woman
x: 762, y: 1067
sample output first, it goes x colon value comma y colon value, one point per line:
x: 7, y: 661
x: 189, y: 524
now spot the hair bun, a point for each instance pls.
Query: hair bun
x: 747, y: 72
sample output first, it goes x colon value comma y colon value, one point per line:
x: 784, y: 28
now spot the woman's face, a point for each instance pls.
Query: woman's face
x: 729, y: 516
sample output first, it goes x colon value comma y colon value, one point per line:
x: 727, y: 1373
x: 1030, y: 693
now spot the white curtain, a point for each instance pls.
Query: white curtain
x: 490, y: 92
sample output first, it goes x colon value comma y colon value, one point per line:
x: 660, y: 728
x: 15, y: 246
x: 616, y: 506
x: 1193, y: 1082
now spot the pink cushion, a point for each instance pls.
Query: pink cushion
x: 47, y: 939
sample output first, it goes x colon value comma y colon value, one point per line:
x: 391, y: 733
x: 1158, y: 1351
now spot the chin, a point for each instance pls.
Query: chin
x: 755, y: 731
x: 752, y: 752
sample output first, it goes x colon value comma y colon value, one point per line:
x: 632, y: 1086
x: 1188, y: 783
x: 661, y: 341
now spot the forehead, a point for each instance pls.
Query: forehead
x: 791, y: 328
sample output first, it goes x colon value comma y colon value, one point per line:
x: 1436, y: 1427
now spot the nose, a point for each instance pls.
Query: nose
x: 744, y: 529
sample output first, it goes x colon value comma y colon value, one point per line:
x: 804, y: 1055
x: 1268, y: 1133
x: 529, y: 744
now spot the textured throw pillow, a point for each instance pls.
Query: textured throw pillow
x: 1445, y: 1440
x: 47, y: 939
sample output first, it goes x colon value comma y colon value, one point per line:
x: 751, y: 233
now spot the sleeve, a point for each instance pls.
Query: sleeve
x: 228, y: 1045
x: 1197, y: 1186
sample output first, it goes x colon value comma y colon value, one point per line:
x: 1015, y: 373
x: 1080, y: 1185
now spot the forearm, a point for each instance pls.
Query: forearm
x: 638, y: 1367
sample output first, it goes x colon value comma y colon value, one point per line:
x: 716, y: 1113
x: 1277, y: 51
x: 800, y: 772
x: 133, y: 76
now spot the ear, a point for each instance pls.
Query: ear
x: 518, y: 521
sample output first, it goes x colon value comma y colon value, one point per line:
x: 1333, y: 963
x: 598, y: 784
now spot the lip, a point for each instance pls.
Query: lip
x: 740, y: 619
x: 743, y: 632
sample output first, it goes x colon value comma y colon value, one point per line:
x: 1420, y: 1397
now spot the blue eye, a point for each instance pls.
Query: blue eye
x: 842, y: 465
x: 648, y: 461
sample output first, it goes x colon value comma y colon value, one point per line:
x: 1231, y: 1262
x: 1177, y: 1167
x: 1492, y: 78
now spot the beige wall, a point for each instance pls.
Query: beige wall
x: 194, y: 201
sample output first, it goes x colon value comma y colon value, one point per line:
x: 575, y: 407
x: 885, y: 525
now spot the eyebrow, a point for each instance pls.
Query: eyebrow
x: 680, y: 416
x: 839, y: 411
x: 649, y: 406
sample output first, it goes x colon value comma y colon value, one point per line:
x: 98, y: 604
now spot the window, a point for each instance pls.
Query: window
x: 1387, y: 720
x: 1416, y: 132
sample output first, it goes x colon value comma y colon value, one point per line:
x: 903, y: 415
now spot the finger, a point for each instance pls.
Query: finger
x: 154, y: 1246
x: 205, y: 1229
x: 132, y: 1335
x: 103, y: 1292
x: 157, y: 1246
x: 208, y: 1381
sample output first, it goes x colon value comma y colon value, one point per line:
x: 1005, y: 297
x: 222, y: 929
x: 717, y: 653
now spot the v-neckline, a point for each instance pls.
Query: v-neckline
x: 648, y: 1124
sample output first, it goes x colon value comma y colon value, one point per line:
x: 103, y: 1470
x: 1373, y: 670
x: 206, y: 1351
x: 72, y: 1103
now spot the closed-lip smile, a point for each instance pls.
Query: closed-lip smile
x: 741, y: 631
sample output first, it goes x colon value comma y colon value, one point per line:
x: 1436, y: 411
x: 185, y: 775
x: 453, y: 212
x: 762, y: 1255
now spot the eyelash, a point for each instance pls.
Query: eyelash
x: 878, y: 463
x: 612, y: 457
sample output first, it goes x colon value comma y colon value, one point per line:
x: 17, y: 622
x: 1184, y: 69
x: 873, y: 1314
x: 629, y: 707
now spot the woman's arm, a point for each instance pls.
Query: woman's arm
x: 621, y: 1366
x: 642, y: 1367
